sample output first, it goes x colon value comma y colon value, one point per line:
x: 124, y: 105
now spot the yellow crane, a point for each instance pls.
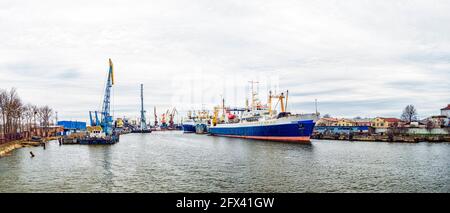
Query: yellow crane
x: 280, y: 98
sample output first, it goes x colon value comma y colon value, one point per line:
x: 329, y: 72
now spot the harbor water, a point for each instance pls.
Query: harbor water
x: 177, y: 162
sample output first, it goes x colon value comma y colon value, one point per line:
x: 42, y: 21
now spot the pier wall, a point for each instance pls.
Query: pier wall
x: 385, y: 138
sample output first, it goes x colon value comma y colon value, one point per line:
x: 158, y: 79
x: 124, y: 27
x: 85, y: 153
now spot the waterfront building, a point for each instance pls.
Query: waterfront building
x: 446, y: 111
x: 346, y: 122
x: 343, y: 122
x: 70, y: 127
x: 380, y: 122
x: 327, y: 122
x: 47, y: 131
x: 437, y: 121
x: 363, y: 122
x: 414, y: 124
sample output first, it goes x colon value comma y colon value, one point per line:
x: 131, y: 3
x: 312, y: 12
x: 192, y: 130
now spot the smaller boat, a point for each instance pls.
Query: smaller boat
x: 96, y: 136
x: 201, y: 128
x: 196, y: 122
x: 189, y: 126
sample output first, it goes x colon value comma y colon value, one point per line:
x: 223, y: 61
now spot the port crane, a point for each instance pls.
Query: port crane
x: 143, y: 121
x: 171, y: 116
x: 156, y: 116
x: 106, y: 120
x: 163, y: 119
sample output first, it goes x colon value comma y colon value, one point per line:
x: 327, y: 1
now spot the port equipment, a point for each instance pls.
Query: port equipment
x: 156, y: 116
x: 280, y: 98
x: 143, y: 120
x: 106, y: 120
x: 171, y: 117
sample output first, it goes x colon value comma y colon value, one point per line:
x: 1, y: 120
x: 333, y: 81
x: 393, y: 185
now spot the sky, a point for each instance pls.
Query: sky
x: 356, y: 57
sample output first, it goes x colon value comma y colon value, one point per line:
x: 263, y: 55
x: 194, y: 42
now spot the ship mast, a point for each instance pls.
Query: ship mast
x: 253, y: 94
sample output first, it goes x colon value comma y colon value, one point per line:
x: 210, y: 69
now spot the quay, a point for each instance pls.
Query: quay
x: 383, y: 138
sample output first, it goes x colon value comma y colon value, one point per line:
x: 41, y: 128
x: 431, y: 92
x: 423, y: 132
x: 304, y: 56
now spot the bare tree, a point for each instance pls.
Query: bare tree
x: 409, y: 113
x: 327, y: 116
x: 28, y: 115
x: 45, y: 114
x: 16, y: 118
x: 11, y: 109
x: 429, y: 125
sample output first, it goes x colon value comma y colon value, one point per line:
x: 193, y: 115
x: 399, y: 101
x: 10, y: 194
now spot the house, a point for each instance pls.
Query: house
x: 363, y: 122
x: 414, y: 124
x: 47, y: 131
x: 437, y: 121
x: 381, y: 122
x: 327, y: 122
x: 345, y: 122
x: 446, y: 111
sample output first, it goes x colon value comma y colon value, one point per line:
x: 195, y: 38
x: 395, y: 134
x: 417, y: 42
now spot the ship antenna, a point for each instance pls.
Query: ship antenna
x: 253, y: 93
x: 316, y: 105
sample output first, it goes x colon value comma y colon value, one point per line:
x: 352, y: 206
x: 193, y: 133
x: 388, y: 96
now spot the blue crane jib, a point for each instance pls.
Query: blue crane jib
x: 106, y: 120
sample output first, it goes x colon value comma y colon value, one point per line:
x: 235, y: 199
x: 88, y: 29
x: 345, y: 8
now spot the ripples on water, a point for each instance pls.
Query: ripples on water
x: 177, y: 162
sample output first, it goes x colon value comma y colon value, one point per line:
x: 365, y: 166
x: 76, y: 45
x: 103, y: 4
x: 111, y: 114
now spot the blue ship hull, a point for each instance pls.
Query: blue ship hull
x: 188, y: 128
x: 294, y: 131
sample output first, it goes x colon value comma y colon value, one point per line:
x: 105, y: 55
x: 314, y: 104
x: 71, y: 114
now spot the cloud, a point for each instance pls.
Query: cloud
x: 368, y: 57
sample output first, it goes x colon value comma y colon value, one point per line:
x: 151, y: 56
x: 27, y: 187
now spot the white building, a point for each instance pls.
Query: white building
x: 446, y: 111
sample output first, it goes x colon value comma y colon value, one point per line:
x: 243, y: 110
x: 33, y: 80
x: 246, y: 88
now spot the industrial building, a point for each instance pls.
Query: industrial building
x: 72, y: 127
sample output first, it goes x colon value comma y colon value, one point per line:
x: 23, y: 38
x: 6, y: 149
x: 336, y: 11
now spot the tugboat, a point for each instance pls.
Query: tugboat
x: 263, y: 123
x: 96, y: 136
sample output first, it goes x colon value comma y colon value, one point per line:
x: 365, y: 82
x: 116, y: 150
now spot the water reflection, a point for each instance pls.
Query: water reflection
x: 176, y: 162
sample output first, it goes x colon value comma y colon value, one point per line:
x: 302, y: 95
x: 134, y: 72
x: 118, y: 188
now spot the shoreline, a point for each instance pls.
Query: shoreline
x: 385, y: 138
x: 7, y: 148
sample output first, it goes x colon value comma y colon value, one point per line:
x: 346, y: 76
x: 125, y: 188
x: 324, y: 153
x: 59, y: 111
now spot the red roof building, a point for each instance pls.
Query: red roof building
x: 392, y: 120
x: 446, y: 111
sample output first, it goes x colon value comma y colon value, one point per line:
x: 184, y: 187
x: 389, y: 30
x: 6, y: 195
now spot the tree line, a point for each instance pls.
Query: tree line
x: 17, y: 117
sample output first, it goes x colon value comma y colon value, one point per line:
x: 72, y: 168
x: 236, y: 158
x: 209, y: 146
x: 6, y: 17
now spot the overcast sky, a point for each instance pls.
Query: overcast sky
x: 358, y: 58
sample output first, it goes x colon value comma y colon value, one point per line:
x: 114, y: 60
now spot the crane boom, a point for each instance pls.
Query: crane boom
x: 106, y: 119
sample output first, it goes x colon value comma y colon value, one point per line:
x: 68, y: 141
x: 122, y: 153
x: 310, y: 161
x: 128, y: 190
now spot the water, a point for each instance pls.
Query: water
x: 176, y: 162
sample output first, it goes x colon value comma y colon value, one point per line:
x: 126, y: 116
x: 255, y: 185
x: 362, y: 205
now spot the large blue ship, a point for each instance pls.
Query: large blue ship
x: 261, y: 122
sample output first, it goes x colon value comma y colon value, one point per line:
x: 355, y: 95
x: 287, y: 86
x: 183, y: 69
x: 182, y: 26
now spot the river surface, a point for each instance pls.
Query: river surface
x: 177, y: 162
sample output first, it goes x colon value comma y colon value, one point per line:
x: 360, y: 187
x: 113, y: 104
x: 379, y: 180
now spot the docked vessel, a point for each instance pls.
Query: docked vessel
x: 196, y: 123
x: 188, y: 126
x: 260, y: 122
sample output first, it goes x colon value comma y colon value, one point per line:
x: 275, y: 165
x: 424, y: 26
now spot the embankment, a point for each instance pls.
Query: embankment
x: 385, y: 138
x: 6, y: 148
